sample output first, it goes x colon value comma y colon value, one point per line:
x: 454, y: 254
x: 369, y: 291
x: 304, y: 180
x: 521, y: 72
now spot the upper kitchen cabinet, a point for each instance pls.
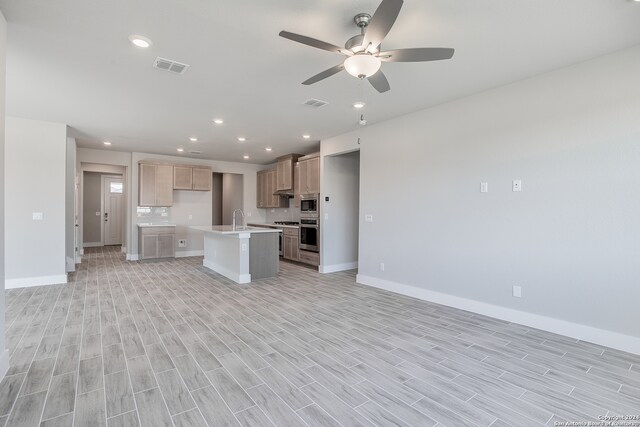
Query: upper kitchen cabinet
x: 284, y: 172
x: 309, y: 171
x: 191, y: 178
x: 266, y: 185
x: 155, y: 185
x: 202, y: 178
x: 182, y: 178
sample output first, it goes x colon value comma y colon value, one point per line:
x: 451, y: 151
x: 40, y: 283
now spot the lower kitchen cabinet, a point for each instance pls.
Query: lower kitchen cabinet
x: 156, y: 242
x: 291, y: 244
x: 307, y: 257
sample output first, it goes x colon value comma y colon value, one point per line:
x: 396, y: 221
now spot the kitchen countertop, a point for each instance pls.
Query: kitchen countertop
x: 228, y: 229
x: 155, y: 224
x: 274, y: 225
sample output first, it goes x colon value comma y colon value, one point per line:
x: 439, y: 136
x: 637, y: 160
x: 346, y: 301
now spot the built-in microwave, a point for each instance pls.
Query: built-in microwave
x: 309, y: 205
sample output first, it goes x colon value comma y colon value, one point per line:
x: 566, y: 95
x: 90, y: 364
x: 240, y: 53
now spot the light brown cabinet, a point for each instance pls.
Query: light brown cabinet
x: 284, y: 172
x: 182, y: 178
x: 155, y: 185
x: 266, y: 185
x: 202, y: 178
x: 191, y: 178
x: 290, y: 242
x: 309, y: 174
x: 156, y: 242
x: 311, y: 258
x: 296, y: 185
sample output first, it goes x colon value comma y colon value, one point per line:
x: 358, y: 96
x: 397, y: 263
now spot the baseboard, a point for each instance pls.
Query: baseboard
x: 579, y: 331
x: 26, y: 282
x: 338, y: 267
x: 236, y: 277
x: 184, y: 254
x: 71, y: 264
x: 4, y: 364
x: 133, y: 257
x: 92, y: 244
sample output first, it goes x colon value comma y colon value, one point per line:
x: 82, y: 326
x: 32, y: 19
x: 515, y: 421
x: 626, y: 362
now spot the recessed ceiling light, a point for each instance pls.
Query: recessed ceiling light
x: 180, y: 150
x: 107, y: 143
x: 306, y: 136
x: 193, y: 139
x: 218, y: 121
x: 246, y: 157
x: 140, y: 41
x: 242, y: 139
x: 268, y: 149
x: 358, y: 104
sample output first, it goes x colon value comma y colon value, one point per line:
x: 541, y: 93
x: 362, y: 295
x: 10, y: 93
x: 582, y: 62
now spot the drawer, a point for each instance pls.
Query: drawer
x: 291, y: 231
x: 158, y: 230
x: 312, y: 258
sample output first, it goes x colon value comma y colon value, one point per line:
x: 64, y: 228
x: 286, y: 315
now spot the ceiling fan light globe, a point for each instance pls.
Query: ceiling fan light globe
x: 362, y: 65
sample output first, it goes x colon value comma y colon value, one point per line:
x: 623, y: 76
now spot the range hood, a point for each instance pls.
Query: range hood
x: 284, y: 193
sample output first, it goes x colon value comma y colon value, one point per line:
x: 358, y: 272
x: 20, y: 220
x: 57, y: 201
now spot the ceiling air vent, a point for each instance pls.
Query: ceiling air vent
x: 170, y: 65
x: 315, y: 103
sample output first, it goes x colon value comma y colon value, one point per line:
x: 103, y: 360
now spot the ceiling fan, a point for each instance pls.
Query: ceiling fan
x: 363, y: 53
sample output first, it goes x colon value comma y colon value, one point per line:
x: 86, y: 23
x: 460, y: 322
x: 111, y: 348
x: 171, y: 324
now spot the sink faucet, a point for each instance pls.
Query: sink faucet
x: 244, y: 220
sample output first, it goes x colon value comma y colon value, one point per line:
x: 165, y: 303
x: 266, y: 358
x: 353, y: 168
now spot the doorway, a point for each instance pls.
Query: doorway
x: 112, y: 209
x: 341, y: 192
x: 103, y: 208
x: 227, y: 195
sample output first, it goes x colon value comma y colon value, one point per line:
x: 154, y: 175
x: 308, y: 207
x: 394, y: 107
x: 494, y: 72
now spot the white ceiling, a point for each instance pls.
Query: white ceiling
x: 70, y: 61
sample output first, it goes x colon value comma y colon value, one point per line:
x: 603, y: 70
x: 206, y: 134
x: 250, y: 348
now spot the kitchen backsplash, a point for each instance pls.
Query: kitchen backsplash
x: 283, y: 214
x: 145, y: 214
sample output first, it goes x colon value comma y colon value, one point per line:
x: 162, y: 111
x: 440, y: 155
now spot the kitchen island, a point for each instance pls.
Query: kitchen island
x: 241, y: 254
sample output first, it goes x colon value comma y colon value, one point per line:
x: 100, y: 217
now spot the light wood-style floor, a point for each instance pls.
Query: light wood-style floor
x: 162, y: 344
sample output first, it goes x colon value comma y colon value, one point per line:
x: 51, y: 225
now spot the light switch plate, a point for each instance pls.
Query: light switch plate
x: 517, y: 291
x: 38, y: 216
x: 368, y: 218
x: 484, y: 187
x: 97, y: 213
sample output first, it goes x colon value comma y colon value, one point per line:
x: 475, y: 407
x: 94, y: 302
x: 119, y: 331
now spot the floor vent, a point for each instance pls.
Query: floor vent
x: 315, y: 103
x: 170, y: 65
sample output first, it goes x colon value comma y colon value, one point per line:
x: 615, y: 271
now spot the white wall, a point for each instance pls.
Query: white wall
x: 339, y: 216
x: 571, y: 238
x: 35, y: 157
x: 4, y: 354
x: 69, y: 205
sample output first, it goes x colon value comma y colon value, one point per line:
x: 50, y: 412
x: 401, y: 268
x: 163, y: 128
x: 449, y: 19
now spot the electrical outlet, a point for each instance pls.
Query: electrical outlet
x: 382, y: 266
x: 38, y: 216
x: 517, y: 291
x: 368, y: 218
x: 248, y: 214
x: 97, y: 213
x: 517, y: 185
x: 484, y: 187
x: 182, y: 243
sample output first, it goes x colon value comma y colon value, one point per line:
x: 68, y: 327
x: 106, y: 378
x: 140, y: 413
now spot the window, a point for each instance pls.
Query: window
x: 116, y: 187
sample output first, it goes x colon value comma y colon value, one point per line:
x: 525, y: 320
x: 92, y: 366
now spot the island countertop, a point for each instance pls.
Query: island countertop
x: 228, y: 229
x: 154, y: 224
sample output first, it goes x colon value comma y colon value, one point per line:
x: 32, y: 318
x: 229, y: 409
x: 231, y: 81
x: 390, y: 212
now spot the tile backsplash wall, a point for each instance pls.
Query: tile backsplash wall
x: 145, y: 214
x: 283, y: 214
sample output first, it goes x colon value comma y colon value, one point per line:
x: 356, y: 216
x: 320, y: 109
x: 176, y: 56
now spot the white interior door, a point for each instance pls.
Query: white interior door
x: 113, y: 210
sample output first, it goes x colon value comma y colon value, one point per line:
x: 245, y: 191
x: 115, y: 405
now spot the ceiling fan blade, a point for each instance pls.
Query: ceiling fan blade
x: 309, y: 41
x: 379, y: 82
x: 323, y: 75
x: 381, y: 23
x: 416, y: 54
